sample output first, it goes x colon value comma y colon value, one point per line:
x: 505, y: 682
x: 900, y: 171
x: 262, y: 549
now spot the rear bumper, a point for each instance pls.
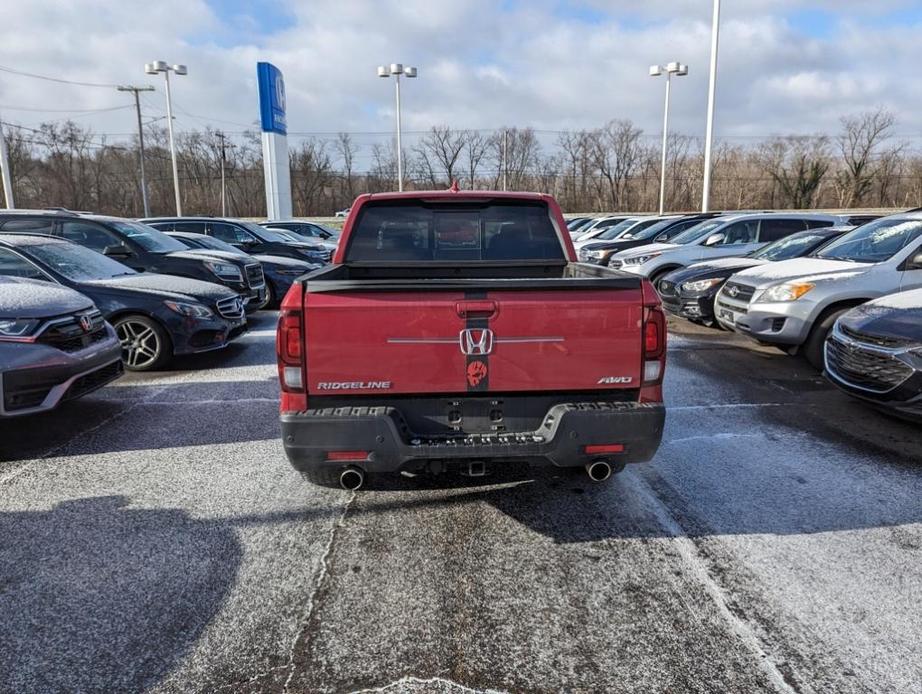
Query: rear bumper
x: 560, y: 441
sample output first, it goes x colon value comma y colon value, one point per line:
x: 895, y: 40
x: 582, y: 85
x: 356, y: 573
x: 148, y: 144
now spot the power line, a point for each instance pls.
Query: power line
x: 63, y: 110
x: 55, y: 79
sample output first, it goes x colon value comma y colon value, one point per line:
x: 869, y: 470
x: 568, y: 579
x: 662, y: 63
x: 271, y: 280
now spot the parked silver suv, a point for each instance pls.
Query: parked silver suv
x: 794, y: 303
x: 721, y: 237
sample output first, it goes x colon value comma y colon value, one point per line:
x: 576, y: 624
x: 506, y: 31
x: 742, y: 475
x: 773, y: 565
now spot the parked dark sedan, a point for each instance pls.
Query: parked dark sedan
x: 247, y: 236
x: 874, y: 353
x: 140, y: 247
x: 599, y: 251
x: 55, y: 346
x: 311, y: 231
x: 155, y: 316
x: 280, y: 272
x: 690, y: 291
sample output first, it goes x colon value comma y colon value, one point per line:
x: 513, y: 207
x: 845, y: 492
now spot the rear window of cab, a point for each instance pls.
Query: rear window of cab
x: 404, y: 231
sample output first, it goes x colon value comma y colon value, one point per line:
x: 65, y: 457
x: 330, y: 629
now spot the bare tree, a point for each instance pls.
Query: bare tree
x: 439, y: 151
x: 347, y: 150
x: 859, y: 144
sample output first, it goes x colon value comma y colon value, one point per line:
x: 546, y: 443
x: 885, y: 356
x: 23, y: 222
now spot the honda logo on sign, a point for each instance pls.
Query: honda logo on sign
x: 476, y: 341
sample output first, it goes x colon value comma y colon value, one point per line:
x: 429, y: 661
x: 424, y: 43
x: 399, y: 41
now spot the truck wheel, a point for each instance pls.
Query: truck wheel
x: 814, y: 346
x: 145, y: 345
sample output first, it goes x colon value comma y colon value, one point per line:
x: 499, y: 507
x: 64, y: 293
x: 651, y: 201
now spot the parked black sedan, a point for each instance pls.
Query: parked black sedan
x: 247, y: 236
x: 140, y: 247
x: 311, y: 231
x: 280, y: 272
x: 155, y: 316
x: 54, y: 346
x: 874, y: 353
x: 599, y: 251
x: 689, y: 292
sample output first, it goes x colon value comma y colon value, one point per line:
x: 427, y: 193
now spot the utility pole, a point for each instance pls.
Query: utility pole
x: 5, y: 171
x: 137, y: 107
x: 222, y: 137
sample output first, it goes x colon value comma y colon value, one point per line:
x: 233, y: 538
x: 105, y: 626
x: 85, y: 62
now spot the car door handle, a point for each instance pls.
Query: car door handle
x: 476, y: 309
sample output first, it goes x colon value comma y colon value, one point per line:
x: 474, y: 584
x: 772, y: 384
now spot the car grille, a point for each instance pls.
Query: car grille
x: 231, y: 308
x: 739, y: 292
x: 93, y: 380
x: 865, y: 368
x: 255, y: 278
x: 878, y: 340
x: 735, y: 309
x: 71, y: 336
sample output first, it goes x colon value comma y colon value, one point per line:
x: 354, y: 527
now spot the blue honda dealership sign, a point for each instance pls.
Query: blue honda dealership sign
x: 271, y: 98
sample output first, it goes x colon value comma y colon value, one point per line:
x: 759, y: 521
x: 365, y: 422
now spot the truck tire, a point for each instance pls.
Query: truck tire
x: 814, y: 346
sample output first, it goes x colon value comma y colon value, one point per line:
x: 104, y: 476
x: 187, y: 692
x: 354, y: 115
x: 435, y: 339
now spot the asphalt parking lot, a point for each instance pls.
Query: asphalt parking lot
x: 153, y: 537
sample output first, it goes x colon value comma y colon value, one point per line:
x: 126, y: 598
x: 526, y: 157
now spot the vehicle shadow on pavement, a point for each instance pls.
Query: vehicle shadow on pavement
x: 95, y: 596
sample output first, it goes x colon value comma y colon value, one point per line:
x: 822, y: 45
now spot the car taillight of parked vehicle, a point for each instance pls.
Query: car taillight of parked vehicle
x: 654, y: 345
x: 289, y: 347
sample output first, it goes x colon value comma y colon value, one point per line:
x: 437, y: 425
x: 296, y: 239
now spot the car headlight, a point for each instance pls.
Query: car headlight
x: 189, y: 310
x: 640, y: 259
x: 789, y: 291
x: 225, y: 271
x: 701, y: 285
x: 16, y: 329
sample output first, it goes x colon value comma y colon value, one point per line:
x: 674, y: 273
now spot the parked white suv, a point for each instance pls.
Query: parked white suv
x: 794, y: 303
x: 721, y: 237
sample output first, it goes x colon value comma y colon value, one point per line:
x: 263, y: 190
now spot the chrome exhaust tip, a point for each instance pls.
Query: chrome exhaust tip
x: 598, y: 470
x: 352, y: 478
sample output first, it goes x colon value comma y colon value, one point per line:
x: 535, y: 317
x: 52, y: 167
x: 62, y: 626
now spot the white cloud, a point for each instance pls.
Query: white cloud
x: 480, y: 67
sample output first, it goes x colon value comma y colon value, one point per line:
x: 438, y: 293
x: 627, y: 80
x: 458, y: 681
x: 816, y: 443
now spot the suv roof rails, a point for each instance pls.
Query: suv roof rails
x: 65, y: 210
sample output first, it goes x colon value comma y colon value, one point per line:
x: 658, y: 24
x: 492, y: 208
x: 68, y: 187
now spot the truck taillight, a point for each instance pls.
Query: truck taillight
x: 289, y: 346
x: 654, y: 345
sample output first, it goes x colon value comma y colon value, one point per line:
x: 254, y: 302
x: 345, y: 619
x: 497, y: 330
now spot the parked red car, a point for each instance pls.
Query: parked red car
x: 456, y: 329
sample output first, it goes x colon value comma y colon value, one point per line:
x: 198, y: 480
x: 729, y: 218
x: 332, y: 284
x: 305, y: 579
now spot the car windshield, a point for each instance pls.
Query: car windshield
x: 78, y: 263
x: 651, y: 230
x: 202, y: 241
x: 791, y: 247
x: 259, y: 232
x: 147, y: 237
x: 616, y: 230
x: 874, y: 242
x: 332, y: 232
x: 696, y: 232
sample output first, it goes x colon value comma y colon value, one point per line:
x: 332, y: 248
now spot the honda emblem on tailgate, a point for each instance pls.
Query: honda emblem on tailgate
x: 476, y: 341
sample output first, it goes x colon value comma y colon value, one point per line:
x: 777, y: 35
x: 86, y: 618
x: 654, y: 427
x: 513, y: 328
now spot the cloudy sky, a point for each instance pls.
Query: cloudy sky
x: 786, y: 66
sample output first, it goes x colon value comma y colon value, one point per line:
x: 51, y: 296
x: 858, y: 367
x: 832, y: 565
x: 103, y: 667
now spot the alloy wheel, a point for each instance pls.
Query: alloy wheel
x: 140, y: 344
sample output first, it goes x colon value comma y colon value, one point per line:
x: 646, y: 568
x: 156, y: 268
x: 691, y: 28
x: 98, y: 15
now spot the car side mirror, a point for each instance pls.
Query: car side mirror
x: 715, y: 239
x: 915, y: 262
x: 117, y: 250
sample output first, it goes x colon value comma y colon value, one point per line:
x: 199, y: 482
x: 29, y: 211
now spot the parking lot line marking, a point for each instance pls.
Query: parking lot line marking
x: 698, y: 569
x: 257, y: 333
x: 410, y: 679
x: 211, y: 401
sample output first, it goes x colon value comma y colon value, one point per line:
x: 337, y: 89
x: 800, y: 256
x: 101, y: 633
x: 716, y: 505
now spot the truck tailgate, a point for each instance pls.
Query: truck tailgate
x: 499, y: 341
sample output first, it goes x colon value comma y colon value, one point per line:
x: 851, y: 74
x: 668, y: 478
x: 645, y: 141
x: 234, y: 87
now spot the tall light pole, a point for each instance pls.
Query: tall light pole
x: 5, y: 171
x: 679, y: 70
x: 152, y: 69
x: 137, y: 106
x: 396, y: 70
x: 712, y: 94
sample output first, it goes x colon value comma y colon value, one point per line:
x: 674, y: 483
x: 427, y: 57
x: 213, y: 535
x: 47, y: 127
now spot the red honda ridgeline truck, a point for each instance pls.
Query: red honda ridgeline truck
x: 456, y: 329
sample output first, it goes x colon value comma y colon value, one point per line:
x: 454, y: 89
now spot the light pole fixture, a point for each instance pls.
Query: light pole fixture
x: 395, y: 70
x: 152, y: 69
x: 679, y: 70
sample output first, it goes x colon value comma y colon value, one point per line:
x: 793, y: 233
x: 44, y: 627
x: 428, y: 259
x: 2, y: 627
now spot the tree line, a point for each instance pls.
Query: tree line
x: 611, y: 168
